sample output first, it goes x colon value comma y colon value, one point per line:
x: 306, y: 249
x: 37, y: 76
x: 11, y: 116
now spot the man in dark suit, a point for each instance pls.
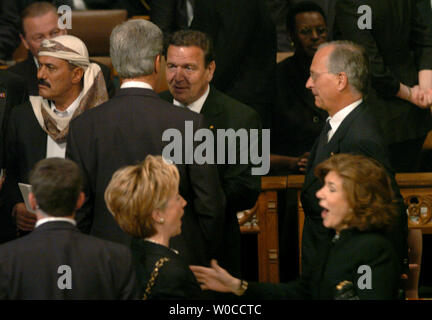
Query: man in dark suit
x: 68, y: 84
x: 56, y: 261
x: 39, y: 21
x: 400, y: 49
x: 338, y: 86
x: 245, y: 43
x: 12, y: 93
x: 192, y: 49
x: 171, y: 15
x: 133, y: 124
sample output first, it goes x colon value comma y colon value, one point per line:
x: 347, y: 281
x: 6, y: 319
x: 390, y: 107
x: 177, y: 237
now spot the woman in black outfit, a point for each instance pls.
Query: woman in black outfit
x: 357, y: 261
x: 145, y: 202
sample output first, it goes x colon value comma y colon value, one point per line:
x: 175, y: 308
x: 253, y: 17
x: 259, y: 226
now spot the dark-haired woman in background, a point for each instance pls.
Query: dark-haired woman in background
x: 358, y: 205
x: 296, y: 121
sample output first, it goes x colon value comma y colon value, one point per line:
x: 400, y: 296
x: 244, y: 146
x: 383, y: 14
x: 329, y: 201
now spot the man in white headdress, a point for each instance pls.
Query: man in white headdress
x: 68, y: 85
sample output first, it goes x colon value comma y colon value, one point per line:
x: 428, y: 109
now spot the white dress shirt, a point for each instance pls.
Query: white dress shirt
x: 55, y: 149
x: 197, y: 105
x: 339, y: 116
x: 49, y: 219
x: 136, y: 84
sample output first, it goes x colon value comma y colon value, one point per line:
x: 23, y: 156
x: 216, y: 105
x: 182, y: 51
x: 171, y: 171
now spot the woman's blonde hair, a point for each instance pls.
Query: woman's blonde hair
x: 135, y: 191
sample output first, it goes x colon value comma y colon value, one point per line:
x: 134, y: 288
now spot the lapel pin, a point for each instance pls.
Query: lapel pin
x: 211, y: 126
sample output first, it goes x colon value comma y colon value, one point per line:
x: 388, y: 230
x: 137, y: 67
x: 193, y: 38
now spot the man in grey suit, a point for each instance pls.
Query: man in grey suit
x: 132, y: 125
x: 56, y: 261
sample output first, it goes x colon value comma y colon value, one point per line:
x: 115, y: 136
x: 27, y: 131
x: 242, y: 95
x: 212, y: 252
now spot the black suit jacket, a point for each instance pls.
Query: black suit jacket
x: 357, y: 134
x: 27, y: 69
x: 12, y: 93
x: 123, y: 131
x: 399, y: 44
x: 174, y: 280
x: 169, y: 15
x: 244, y: 38
x: 26, y: 144
x: 339, y: 260
x: 99, y: 269
x: 240, y: 186
x: 222, y: 112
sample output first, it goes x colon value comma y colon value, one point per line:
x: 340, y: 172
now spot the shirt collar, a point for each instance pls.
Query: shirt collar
x: 70, y: 110
x: 197, y: 105
x: 136, y: 84
x: 51, y: 219
x: 339, y: 116
x: 36, y: 62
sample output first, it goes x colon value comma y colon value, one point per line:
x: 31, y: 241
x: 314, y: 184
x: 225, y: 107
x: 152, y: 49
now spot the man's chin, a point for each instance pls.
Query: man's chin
x: 44, y: 94
x: 180, y: 98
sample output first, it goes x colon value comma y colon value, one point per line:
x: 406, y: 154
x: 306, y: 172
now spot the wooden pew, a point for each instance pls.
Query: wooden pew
x: 416, y: 188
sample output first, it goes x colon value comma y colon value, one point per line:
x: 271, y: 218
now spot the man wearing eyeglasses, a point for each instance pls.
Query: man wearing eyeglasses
x: 338, y: 80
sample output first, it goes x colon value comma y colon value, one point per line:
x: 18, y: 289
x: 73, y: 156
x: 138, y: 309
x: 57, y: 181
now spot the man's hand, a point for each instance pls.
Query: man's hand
x: 25, y: 220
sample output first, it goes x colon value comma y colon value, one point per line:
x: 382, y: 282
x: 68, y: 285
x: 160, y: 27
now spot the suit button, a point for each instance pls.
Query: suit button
x: 315, y: 119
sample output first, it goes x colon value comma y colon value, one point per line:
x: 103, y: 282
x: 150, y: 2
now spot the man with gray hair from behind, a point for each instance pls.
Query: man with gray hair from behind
x: 133, y: 125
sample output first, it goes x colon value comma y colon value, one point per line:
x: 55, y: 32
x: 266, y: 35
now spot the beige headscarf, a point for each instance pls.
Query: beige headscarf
x: 94, y: 91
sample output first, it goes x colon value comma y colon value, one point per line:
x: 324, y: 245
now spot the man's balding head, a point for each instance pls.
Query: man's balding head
x: 339, y: 75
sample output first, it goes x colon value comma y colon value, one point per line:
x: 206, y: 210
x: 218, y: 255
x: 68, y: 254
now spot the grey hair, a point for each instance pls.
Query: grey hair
x: 134, y: 46
x: 352, y: 59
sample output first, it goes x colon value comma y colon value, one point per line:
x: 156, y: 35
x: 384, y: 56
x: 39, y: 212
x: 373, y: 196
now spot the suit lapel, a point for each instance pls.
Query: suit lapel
x: 211, y: 108
x: 342, y: 131
x: 332, y: 146
x: 31, y: 75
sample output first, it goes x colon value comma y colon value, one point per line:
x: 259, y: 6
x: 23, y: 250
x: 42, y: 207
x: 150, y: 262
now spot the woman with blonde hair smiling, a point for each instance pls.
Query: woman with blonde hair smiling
x: 357, y: 261
x: 145, y: 201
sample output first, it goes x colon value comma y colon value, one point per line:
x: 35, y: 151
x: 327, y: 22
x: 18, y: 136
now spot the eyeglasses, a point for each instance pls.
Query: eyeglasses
x: 315, y: 75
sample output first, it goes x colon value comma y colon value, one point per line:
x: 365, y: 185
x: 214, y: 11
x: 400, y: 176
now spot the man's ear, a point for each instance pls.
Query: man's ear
x: 211, y: 69
x: 77, y: 75
x: 24, y: 41
x: 342, y: 81
x: 157, y: 64
x: 32, y: 200
x: 80, y: 201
